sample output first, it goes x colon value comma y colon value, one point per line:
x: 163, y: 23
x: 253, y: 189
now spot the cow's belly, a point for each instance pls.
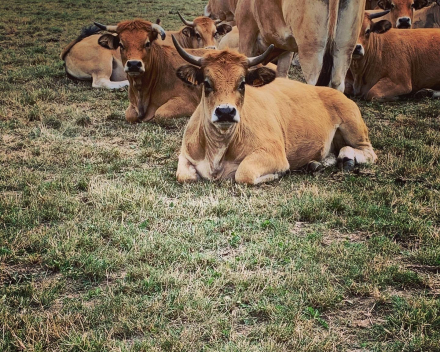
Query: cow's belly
x: 76, y: 69
x: 306, y: 148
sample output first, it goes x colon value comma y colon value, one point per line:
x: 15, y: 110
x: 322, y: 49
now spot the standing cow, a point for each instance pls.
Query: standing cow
x: 324, y: 33
x: 252, y: 131
x: 154, y: 91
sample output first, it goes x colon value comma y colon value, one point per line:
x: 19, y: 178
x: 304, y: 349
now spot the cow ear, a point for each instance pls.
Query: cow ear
x: 188, y: 31
x: 109, y: 41
x: 381, y: 27
x: 260, y: 76
x: 224, y: 28
x: 384, y: 4
x: 419, y: 4
x: 190, y: 74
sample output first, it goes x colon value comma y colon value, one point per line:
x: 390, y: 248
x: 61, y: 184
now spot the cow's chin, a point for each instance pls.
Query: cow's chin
x: 357, y: 56
x: 134, y: 74
x: 224, y: 127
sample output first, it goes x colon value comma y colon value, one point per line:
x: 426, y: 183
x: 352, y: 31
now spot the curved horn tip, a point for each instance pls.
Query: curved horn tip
x: 187, y: 23
x: 99, y: 25
x: 160, y: 30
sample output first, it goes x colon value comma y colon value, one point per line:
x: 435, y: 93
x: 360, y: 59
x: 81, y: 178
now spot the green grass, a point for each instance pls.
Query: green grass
x: 102, y: 250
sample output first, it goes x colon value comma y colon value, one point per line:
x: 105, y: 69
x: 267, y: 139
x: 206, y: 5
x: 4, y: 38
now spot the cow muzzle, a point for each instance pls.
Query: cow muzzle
x: 225, y: 114
x: 403, y: 23
x: 358, y: 52
x: 134, y: 67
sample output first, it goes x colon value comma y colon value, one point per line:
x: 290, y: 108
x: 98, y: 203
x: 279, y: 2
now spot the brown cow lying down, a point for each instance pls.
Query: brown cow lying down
x: 388, y: 63
x: 154, y: 91
x: 85, y: 59
x: 253, y: 132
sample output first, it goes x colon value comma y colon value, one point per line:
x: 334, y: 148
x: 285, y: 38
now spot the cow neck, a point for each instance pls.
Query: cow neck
x: 369, y: 66
x: 217, y: 142
x: 157, y: 65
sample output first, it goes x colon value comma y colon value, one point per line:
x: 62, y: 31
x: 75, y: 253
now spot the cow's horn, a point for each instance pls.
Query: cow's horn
x: 378, y: 14
x: 252, y: 61
x: 106, y: 28
x: 187, y: 23
x: 159, y: 30
x: 195, y: 60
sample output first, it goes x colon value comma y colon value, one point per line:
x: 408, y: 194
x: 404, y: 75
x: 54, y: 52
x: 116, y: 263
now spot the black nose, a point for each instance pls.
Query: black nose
x: 225, y: 114
x: 357, y: 49
x: 134, y: 65
x: 404, y: 22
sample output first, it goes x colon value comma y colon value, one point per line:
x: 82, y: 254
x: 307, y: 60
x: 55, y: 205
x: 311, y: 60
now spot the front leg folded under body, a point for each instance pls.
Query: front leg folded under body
x: 260, y: 167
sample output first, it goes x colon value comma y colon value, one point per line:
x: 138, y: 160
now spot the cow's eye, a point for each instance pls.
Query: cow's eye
x: 392, y: 6
x: 242, y: 86
x: 368, y: 31
x: 198, y: 36
x: 208, y: 87
x: 412, y: 5
x: 147, y: 44
x: 121, y: 46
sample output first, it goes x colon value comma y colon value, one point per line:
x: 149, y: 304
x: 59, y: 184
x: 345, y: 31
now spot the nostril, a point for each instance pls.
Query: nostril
x: 128, y: 64
x: 233, y: 112
x: 139, y: 64
x: 404, y: 20
x: 358, y: 47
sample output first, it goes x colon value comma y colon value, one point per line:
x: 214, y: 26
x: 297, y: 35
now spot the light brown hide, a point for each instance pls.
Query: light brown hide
x: 283, y: 125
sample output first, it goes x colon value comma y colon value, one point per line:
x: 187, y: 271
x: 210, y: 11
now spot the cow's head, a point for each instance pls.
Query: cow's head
x: 369, y: 27
x: 135, y: 40
x: 402, y: 11
x: 204, y: 32
x: 224, y: 76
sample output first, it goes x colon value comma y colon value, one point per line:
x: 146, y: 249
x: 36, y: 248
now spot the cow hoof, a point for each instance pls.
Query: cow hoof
x: 346, y: 164
x: 314, y: 166
x: 424, y: 93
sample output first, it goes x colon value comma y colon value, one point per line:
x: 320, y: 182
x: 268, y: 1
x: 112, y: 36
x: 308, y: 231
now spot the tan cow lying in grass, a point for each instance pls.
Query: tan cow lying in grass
x: 253, y: 132
x: 388, y: 63
x: 154, y: 91
x: 85, y: 59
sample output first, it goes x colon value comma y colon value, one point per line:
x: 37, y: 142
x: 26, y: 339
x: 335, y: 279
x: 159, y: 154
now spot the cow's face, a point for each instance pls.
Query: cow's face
x: 135, y: 39
x: 368, y: 27
x: 224, y: 76
x: 402, y: 11
x: 204, y: 32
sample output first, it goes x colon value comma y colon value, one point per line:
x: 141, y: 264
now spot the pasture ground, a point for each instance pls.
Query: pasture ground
x: 101, y: 249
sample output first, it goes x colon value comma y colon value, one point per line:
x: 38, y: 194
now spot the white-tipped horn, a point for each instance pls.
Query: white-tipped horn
x: 253, y: 61
x: 195, y: 60
x: 187, y: 23
x: 159, y: 30
x: 216, y: 22
x: 106, y: 28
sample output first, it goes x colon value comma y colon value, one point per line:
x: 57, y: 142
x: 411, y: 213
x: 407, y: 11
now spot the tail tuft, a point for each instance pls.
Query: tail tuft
x: 85, y: 32
x: 327, y: 68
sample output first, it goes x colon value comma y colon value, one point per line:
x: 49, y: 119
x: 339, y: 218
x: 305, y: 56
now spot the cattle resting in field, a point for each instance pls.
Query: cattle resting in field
x: 249, y: 130
x: 323, y: 33
x: 389, y: 63
x: 85, y: 59
x: 154, y: 90
x: 203, y: 32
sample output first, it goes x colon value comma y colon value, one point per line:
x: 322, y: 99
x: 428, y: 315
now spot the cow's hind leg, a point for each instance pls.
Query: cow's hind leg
x: 284, y: 62
x: 427, y: 93
x: 387, y: 90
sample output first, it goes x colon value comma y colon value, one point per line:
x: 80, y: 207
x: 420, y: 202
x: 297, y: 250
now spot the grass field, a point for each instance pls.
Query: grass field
x: 102, y: 250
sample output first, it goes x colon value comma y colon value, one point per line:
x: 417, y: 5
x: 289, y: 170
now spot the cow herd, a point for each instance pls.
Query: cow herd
x: 248, y: 121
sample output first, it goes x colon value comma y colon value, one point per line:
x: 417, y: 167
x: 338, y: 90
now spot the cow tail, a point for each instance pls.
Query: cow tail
x: 85, y: 32
x: 327, y: 65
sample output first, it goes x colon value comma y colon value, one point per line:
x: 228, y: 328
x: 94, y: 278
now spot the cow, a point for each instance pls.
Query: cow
x: 221, y: 9
x: 324, y: 33
x: 154, y: 90
x: 203, y: 32
x: 401, y: 11
x: 428, y: 17
x: 249, y: 130
x: 85, y: 59
x: 383, y: 74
